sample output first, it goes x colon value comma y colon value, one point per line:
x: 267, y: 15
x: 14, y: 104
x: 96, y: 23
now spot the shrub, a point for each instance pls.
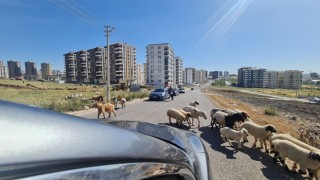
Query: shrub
x: 270, y: 111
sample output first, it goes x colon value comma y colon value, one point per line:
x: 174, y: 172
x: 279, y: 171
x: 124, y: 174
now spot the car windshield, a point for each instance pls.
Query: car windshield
x: 159, y: 90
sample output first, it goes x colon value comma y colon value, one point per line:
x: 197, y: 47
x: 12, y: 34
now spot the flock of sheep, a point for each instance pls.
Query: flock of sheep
x: 236, y: 125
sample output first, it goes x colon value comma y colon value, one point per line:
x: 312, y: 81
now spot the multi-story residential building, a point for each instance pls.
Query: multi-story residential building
x: 273, y: 79
x: 251, y: 77
x: 14, y: 69
x: 190, y: 75
x: 160, y: 60
x: 178, y: 69
x: 45, y: 70
x: 216, y: 74
x: 226, y: 75
x: 4, y: 72
x: 90, y: 66
x: 184, y: 77
x: 201, y: 76
x: 145, y: 73
x: 292, y: 79
x: 31, y: 70
x: 314, y: 75
x: 140, y: 74
x: 122, y: 63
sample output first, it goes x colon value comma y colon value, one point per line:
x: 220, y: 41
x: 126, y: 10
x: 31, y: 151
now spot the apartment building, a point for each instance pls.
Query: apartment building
x: 4, y: 72
x: 292, y: 79
x: 140, y: 74
x: 190, y: 75
x: 226, y: 75
x: 122, y: 63
x: 289, y: 79
x: 160, y: 60
x: 145, y: 73
x: 178, y: 71
x: 251, y: 77
x: 90, y: 66
x: 31, y: 70
x: 14, y: 69
x: 46, y: 70
x: 273, y: 79
x: 201, y: 76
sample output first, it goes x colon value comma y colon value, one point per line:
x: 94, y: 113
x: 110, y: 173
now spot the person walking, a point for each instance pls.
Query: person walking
x: 171, y: 92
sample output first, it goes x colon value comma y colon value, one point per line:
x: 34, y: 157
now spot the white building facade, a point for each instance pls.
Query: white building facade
x: 178, y: 71
x: 140, y: 74
x: 201, y: 76
x: 190, y: 74
x: 160, y: 64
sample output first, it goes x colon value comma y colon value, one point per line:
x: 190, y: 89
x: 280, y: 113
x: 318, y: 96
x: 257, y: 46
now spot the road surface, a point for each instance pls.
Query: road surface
x: 226, y: 163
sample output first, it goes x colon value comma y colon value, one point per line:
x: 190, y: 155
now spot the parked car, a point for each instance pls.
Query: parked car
x: 182, y: 90
x: 176, y: 92
x: 42, y: 144
x: 159, y: 94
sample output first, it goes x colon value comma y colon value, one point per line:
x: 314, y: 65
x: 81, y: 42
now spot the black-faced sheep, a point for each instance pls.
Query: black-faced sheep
x: 225, y: 119
x: 305, y: 158
x: 194, y: 103
x: 228, y: 133
x: 195, y: 113
x: 259, y: 132
x: 176, y: 114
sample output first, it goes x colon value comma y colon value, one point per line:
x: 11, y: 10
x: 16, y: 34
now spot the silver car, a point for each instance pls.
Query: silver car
x: 42, y: 144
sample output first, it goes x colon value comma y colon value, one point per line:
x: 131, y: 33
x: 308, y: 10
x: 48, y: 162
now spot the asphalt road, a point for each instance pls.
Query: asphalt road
x: 226, y: 163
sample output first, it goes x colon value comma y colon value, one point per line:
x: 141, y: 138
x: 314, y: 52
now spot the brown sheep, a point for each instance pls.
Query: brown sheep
x: 103, y: 108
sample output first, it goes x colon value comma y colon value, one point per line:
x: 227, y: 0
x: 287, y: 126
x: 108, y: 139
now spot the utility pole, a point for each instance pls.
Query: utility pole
x: 108, y: 30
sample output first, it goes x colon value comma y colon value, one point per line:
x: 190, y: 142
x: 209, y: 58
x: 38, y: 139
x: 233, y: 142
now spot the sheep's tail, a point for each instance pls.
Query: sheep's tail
x: 314, y: 156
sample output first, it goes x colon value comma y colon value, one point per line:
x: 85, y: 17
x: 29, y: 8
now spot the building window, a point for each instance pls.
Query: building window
x: 159, y: 57
x: 151, y: 48
x: 159, y: 52
x: 152, y: 52
x: 151, y: 76
x: 152, y: 80
x: 159, y: 62
x: 159, y: 47
x: 151, y: 57
x: 159, y: 76
x: 151, y: 71
x: 151, y: 67
x: 159, y: 80
x: 159, y: 66
x: 159, y: 71
x: 151, y: 62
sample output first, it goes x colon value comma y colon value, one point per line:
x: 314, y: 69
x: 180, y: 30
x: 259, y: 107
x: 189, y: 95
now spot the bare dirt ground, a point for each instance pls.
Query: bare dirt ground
x: 301, y: 120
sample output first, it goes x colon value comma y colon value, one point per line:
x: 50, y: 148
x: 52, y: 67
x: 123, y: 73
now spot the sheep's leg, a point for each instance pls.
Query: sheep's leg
x: 198, y: 123
x: 275, y: 157
x: 265, y: 146
x: 109, y: 114
x: 229, y: 142
x: 302, y: 170
x: 239, y: 144
x: 211, y: 123
x: 99, y: 112
x: 192, y: 121
x: 310, y: 174
x: 114, y: 113
x: 255, y: 142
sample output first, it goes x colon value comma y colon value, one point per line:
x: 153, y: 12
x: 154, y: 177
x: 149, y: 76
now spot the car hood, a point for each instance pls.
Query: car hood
x: 183, y: 139
x: 157, y: 93
x: 38, y: 138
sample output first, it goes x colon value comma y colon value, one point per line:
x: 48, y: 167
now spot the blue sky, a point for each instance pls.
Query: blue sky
x: 208, y: 34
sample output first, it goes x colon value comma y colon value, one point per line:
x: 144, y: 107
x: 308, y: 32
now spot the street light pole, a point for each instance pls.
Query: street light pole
x: 108, y: 30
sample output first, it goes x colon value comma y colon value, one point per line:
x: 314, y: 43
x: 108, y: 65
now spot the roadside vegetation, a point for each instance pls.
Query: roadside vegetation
x: 305, y: 91
x: 52, y: 96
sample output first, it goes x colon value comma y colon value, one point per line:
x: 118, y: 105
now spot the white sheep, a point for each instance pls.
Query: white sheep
x: 288, y: 137
x: 219, y: 117
x: 176, y: 114
x: 195, y: 113
x: 187, y: 114
x: 228, y: 133
x: 194, y: 103
x: 307, y: 159
x: 258, y: 132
